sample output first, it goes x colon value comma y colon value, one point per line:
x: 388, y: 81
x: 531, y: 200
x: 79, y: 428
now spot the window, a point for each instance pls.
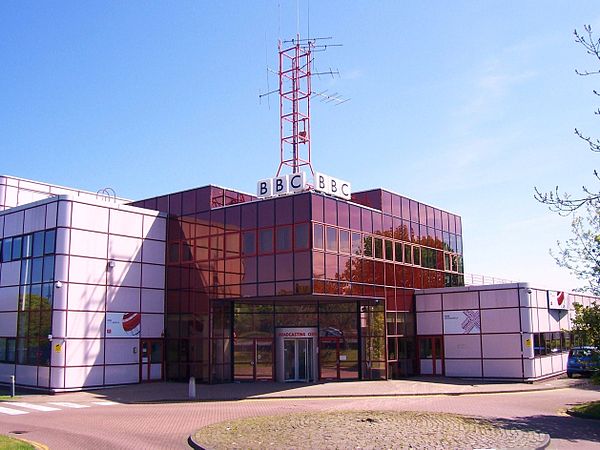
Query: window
x: 301, y: 236
x: 249, y: 243
x: 332, y: 239
x: 408, y: 254
x: 368, y: 249
x: 389, y: 250
x: 284, y: 239
x: 318, y: 240
x: 398, y: 251
x: 6, y: 249
x: 379, y: 248
x: 344, y: 241
x: 416, y: 256
x: 265, y: 240
x: 7, y: 350
x: 356, y: 244
x: 38, y: 243
x: 16, y: 248
x: 50, y: 242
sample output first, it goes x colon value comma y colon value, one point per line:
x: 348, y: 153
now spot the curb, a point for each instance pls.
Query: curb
x: 341, y: 395
x: 192, y: 443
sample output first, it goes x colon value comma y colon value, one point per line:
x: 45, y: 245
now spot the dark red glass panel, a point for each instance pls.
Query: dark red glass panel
x: 284, y: 264
x: 302, y: 211
x: 355, y: 217
x: 302, y: 265
x: 317, y: 207
x: 318, y: 265
x: 266, y: 268
x: 343, y: 214
x: 284, y: 210
x: 249, y: 215
x: 266, y: 213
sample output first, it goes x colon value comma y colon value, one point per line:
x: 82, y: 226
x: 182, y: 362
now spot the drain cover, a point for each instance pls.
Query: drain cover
x: 18, y: 432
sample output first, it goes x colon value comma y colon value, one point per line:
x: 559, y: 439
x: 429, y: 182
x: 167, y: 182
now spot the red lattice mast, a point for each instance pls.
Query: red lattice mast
x: 295, y: 66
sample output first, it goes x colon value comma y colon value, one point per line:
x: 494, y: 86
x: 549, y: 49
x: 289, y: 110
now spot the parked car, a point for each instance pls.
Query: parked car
x: 583, y: 361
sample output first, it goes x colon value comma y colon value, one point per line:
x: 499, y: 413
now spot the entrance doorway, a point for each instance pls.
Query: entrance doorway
x: 431, y: 357
x: 298, y: 360
x: 329, y: 352
x: 253, y: 359
x: 296, y: 354
x: 151, y: 360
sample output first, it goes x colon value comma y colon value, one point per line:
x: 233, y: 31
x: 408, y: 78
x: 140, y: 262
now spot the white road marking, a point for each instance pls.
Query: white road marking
x: 33, y: 406
x: 12, y: 412
x: 69, y: 405
x: 105, y: 403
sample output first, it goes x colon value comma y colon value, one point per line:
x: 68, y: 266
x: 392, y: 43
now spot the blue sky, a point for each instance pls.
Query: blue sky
x: 463, y: 105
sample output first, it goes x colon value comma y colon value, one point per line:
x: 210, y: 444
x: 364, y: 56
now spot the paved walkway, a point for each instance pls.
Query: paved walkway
x: 169, y: 392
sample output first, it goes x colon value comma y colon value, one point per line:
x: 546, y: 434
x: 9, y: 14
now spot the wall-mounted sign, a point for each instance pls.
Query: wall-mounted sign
x: 123, y: 324
x: 57, y: 348
x: 557, y: 300
x: 296, y: 182
x: 467, y: 321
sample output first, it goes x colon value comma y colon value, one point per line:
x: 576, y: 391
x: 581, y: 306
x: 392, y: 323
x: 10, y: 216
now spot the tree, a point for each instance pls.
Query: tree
x: 586, y: 324
x: 581, y: 253
x: 564, y: 203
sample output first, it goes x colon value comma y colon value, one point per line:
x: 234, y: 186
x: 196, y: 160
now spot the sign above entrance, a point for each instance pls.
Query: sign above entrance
x: 557, y: 300
x: 296, y: 182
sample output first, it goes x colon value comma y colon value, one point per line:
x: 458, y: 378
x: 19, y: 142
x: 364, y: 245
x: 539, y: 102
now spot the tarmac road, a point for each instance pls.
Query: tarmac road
x: 81, y: 421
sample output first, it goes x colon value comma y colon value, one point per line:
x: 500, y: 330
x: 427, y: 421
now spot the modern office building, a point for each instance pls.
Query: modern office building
x: 226, y: 286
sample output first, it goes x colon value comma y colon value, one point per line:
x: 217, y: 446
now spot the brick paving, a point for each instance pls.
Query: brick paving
x: 366, y: 430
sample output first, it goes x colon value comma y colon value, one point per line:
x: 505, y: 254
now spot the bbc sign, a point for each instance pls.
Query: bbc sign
x: 296, y: 182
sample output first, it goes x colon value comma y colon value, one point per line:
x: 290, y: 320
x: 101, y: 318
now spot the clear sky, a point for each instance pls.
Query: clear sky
x: 462, y: 105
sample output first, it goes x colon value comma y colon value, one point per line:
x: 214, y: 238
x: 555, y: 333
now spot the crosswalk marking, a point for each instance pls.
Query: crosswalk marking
x: 35, y: 407
x: 69, y: 405
x: 104, y: 403
x: 12, y: 412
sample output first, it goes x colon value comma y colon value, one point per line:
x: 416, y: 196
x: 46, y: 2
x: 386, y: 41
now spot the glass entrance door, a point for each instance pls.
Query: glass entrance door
x: 298, y: 360
x: 151, y: 360
x: 431, y: 357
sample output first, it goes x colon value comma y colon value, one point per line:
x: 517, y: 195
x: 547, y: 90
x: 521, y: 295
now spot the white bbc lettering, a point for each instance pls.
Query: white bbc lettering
x: 285, y: 184
x: 333, y: 186
x: 264, y: 188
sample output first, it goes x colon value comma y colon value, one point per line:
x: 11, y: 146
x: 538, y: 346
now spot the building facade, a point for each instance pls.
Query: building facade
x: 223, y: 286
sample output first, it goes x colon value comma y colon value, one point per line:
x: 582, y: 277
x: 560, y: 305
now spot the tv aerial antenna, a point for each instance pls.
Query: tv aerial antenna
x: 296, y: 64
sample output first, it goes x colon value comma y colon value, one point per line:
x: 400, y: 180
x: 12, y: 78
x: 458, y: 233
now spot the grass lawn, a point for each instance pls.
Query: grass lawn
x: 13, y: 444
x: 589, y: 410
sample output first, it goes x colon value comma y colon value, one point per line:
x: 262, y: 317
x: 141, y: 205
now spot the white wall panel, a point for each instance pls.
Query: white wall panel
x: 89, y: 244
x: 122, y: 351
x: 155, y: 228
x: 460, y: 300
x: 501, y: 298
x: 84, y: 376
x: 58, y: 358
x: 11, y: 273
x: 463, y: 367
x: 152, y: 325
x: 11, y: 197
x: 125, y: 223
x: 26, y: 375
x: 153, y: 300
x: 462, y: 346
x: 527, y: 323
x: 85, y: 324
x: 59, y: 323
x: 6, y: 370
x: 546, y: 363
x: 429, y: 323
x: 85, y: 352
x: 126, y: 299
x: 122, y: 374
x: 87, y: 270
x: 43, y: 377
x: 501, y: 345
x: 86, y: 297
x: 57, y: 378
x: 154, y: 252
x: 64, y: 213
x: 9, y: 298
x: 51, y: 214
x: 63, y: 239
x: 90, y: 217
x: 125, y: 274
x: 35, y: 219
x: 502, y: 368
x: 8, y: 323
x: 13, y: 224
x: 429, y: 302
x: 500, y: 320
x: 153, y: 276
x: 124, y: 248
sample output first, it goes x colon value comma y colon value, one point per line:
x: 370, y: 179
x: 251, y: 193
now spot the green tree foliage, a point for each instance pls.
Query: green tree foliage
x: 564, y: 203
x: 581, y: 253
x: 586, y: 324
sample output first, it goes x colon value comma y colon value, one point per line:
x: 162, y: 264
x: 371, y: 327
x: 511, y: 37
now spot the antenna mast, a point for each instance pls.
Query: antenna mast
x: 295, y: 66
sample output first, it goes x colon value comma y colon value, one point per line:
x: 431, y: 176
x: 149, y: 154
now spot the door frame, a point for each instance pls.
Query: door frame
x: 147, y: 366
x: 309, y: 358
x: 254, y: 359
x: 434, y: 354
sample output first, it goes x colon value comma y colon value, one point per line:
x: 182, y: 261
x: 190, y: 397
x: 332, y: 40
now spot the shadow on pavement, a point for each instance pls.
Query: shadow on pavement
x: 558, y: 427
